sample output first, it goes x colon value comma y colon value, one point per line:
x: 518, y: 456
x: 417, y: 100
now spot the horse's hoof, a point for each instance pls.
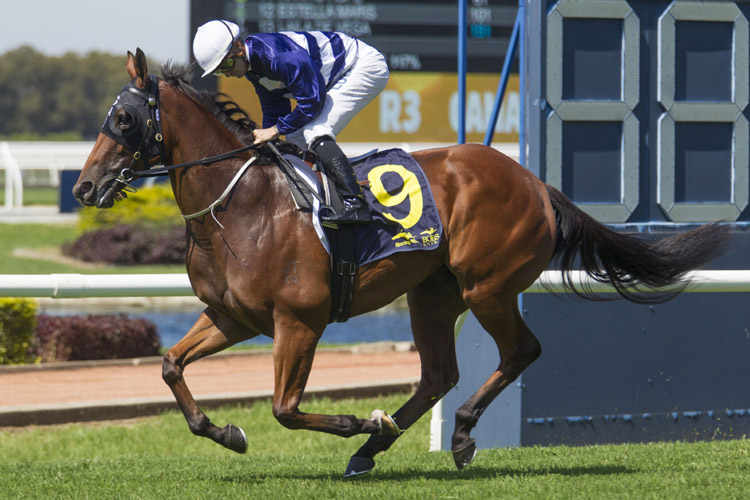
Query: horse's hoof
x: 358, y: 466
x: 465, y: 455
x: 386, y: 424
x: 236, y: 439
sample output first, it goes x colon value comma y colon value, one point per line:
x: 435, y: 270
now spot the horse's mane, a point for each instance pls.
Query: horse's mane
x: 227, y: 111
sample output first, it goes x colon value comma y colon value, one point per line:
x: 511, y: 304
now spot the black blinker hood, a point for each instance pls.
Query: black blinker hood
x: 143, y: 108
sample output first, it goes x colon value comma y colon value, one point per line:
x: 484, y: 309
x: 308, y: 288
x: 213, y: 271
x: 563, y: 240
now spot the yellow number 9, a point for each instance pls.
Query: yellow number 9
x: 411, y: 189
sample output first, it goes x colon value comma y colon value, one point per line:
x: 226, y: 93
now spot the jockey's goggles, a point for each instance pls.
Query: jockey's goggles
x: 225, y: 66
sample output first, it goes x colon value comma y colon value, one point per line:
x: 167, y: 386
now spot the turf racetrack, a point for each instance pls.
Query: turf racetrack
x: 159, y: 458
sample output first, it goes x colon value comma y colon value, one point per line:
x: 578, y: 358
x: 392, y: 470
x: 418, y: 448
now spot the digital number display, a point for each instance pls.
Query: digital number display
x: 680, y: 155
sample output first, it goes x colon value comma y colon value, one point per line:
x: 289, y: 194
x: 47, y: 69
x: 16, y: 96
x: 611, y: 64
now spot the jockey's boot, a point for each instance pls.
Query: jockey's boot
x: 355, y: 209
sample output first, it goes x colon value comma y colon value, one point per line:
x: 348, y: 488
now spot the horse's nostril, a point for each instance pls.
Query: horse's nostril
x: 82, y: 188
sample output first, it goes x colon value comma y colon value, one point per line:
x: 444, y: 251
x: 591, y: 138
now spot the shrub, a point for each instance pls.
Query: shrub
x: 169, y: 247
x: 146, y: 228
x: 17, y: 321
x: 128, y: 245
x: 70, y: 338
x: 151, y: 207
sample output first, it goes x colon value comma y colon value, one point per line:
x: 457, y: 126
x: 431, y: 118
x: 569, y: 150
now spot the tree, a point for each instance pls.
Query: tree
x: 42, y: 96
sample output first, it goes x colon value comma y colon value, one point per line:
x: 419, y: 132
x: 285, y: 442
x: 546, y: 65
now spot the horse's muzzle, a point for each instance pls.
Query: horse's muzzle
x: 84, y: 191
x: 102, y: 196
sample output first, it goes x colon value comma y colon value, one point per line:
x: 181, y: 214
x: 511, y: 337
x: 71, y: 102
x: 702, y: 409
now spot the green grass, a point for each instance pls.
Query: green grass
x: 32, y: 236
x: 46, y: 236
x: 158, y: 458
x: 36, y: 196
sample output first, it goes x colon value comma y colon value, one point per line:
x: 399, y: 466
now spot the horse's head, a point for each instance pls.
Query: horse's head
x: 131, y: 139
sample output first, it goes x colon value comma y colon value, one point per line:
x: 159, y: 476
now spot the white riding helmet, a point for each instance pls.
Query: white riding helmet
x: 212, y: 42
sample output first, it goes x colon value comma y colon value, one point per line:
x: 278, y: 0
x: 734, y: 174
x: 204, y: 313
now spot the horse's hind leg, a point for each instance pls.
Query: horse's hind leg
x: 434, y: 306
x: 518, y: 349
x: 210, y: 334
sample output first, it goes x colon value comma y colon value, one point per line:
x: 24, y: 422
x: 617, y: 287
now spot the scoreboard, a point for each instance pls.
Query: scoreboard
x: 414, y: 35
x: 419, y: 41
x: 639, y: 109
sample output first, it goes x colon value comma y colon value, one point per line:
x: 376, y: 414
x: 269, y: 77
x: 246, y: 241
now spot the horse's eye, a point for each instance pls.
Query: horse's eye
x: 124, y: 121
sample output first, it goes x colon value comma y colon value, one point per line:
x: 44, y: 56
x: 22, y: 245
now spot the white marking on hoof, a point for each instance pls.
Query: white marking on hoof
x: 358, y: 466
x: 465, y: 455
x: 244, y: 438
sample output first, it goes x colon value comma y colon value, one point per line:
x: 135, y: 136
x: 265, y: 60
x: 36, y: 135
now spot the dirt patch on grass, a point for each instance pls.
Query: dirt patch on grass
x: 54, y: 254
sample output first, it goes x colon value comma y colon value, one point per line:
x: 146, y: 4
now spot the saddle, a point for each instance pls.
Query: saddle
x: 401, y: 203
x: 342, y: 239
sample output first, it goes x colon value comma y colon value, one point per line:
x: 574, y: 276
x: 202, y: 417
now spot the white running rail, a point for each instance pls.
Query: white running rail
x: 178, y: 285
x: 61, y: 286
x: 52, y: 157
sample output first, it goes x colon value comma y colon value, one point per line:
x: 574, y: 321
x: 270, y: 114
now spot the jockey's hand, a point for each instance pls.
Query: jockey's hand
x: 265, y: 134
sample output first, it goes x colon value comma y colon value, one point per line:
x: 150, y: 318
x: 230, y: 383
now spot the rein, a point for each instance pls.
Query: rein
x: 127, y: 175
x: 289, y: 170
x: 160, y: 172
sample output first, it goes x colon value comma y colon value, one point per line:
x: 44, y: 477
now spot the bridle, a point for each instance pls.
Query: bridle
x: 134, y: 122
x: 138, y: 128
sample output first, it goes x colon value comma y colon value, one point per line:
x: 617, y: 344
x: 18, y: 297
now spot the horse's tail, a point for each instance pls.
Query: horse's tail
x: 625, y: 261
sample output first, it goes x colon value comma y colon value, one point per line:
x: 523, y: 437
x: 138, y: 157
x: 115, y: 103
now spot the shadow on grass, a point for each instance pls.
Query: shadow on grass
x: 475, y: 472
x: 479, y: 472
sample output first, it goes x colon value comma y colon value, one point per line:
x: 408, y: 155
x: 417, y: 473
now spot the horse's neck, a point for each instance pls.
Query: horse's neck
x: 194, y: 133
x: 260, y: 193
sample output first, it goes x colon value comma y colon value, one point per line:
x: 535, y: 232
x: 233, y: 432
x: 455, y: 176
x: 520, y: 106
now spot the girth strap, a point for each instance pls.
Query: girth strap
x: 343, y: 271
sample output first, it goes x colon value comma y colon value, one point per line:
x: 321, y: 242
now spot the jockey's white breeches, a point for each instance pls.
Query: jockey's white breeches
x: 348, y: 96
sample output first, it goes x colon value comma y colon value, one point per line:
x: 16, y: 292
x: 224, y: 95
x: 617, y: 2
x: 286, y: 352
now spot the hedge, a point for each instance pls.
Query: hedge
x: 70, y: 338
x: 17, y: 322
x: 146, y: 228
x: 129, y: 245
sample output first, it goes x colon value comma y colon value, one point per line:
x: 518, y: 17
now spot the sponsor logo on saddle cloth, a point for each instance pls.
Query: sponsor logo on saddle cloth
x: 404, y: 213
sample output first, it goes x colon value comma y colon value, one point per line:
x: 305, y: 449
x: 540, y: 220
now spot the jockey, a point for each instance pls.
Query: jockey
x: 332, y: 76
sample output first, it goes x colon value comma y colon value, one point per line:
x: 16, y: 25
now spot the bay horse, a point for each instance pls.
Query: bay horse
x: 502, y: 227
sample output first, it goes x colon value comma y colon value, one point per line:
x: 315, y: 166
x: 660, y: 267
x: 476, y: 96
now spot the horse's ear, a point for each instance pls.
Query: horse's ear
x: 137, y: 68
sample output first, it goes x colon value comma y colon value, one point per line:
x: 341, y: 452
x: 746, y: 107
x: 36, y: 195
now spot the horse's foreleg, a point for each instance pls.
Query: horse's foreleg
x: 434, y: 306
x: 203, y: 338
x: 518, y: 349
x: 293, y: 350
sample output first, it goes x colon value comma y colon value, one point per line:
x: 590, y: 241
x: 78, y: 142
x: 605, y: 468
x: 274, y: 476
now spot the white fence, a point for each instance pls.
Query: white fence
x: 17, y: 158
x: 59, y: 286
x: 178, y: 285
